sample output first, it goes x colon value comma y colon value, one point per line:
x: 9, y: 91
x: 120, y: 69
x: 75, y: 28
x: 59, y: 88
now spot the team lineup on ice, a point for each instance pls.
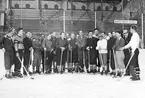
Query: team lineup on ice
x: 69, y: 80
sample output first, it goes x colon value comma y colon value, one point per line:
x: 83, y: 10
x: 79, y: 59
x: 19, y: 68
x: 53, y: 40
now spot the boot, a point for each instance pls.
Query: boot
x: 76, y: 67
x: 17, y: 74
x: 62, y: 69
x: 135, y: 78
x: 98, y: 70
x: 33, y: 70
x: 103, y: 71
x: 8, y: 74
x: 91, y: 68
x: 55, y: 69
x: 58, y: 68
x: 70, y: 67
x: 94, y: 69
x: 37, y: 69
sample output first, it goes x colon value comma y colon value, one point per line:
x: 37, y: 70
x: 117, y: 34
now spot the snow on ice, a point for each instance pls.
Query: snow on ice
x: 74, y: 86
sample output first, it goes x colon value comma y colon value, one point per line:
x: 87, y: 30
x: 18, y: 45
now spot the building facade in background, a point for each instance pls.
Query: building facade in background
x: 66, y: 15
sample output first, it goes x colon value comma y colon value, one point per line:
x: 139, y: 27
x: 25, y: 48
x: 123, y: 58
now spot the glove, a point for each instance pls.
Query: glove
x: 17, y: 54
x: 31, y: 49
x: 3, y: 50
x: 70, y: 48
x: 62, y: 48
x: 51, y: 50
x: 88, y: 48
x: 44, y: 49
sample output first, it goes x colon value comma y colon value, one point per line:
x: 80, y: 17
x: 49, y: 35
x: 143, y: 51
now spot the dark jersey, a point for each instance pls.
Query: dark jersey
x: 61, y: 43
x: 72, y: 43
x: 37, y: 45
x: 111, y: 43
x: 1, y: 41
x: 27, y: 44
x: 91, y: 42
x: 8, y: 44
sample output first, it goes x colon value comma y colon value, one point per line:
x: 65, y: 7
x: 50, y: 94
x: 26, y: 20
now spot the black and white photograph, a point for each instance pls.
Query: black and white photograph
x: 72, y: 49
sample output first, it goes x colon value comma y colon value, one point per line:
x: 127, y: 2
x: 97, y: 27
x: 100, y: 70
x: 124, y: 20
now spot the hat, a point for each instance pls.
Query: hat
x: 100, y: 36
x: 125, y: 31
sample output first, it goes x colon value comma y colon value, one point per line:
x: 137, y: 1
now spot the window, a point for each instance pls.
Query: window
x: 114, y: 8
x: 73, y: 7
x: 45, y: 6
x: 16, y: 6
x: 83, y: 7
x: 107, y: 8
x: 27, y: 6
x: 56, y: 7
x: 99, y: 8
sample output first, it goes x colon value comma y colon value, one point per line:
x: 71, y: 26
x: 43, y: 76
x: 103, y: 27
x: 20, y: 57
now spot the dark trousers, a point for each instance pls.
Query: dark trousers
x: 126, y: 59
x: 92, y: 56
x: 111, y: 61
x: 134, y: 65
x: 9, y: 59
x: 43, y: 54
x: 63, y: 59
x: 81, y: 57
x: 26, y: 59
x: 97, y: 58
x: 37, y: 60
x: 48, y: 60
x: 73, y: 56
x: 17, y: 61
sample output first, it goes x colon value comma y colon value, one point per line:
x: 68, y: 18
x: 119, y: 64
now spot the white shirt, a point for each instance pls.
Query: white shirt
x: 102, y: 46
x: 134, y: 42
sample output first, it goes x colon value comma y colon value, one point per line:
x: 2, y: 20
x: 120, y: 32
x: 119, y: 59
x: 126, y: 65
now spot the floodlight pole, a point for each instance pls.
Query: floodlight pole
x: 95, y: 15
x: 64, y: 22
x: 7, y: 4
x: 21, y: 24
x: 95, y: 19
x: 102, y: 16
x: 142, y: 23
x: 122, y: 15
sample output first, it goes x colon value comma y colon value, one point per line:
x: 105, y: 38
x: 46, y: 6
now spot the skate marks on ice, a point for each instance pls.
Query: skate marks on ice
x: 71, y: 86
x: 142, y: 63
x: 74, y: 86
x: 2, y: 69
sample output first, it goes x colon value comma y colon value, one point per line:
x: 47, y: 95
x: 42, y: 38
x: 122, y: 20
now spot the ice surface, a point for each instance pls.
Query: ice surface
x: 75, y: 86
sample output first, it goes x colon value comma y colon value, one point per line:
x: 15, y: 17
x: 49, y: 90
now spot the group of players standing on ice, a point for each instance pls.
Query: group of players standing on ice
x: 95, y: 53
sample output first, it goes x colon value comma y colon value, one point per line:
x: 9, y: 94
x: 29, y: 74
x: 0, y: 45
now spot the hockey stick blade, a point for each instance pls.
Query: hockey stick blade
x: 26, y: 70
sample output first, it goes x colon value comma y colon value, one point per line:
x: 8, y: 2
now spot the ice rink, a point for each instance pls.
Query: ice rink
x: 74, y: 86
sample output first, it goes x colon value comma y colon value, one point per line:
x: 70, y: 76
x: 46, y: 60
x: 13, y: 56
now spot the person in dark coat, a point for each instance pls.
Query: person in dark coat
x: 27, y: 50
x: 19, y: 52
x: 127, y: 36
x: 37, y: 55
x: 95, y: 35
x: 47, y: 46
x: 61, y: 52
x: 8, y: 54
x: 110, y: 44
x: 81, y: 42
x: 54, y: 39
x: 43, y: 54
x: 73, y: 53
x: 91, y: 52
